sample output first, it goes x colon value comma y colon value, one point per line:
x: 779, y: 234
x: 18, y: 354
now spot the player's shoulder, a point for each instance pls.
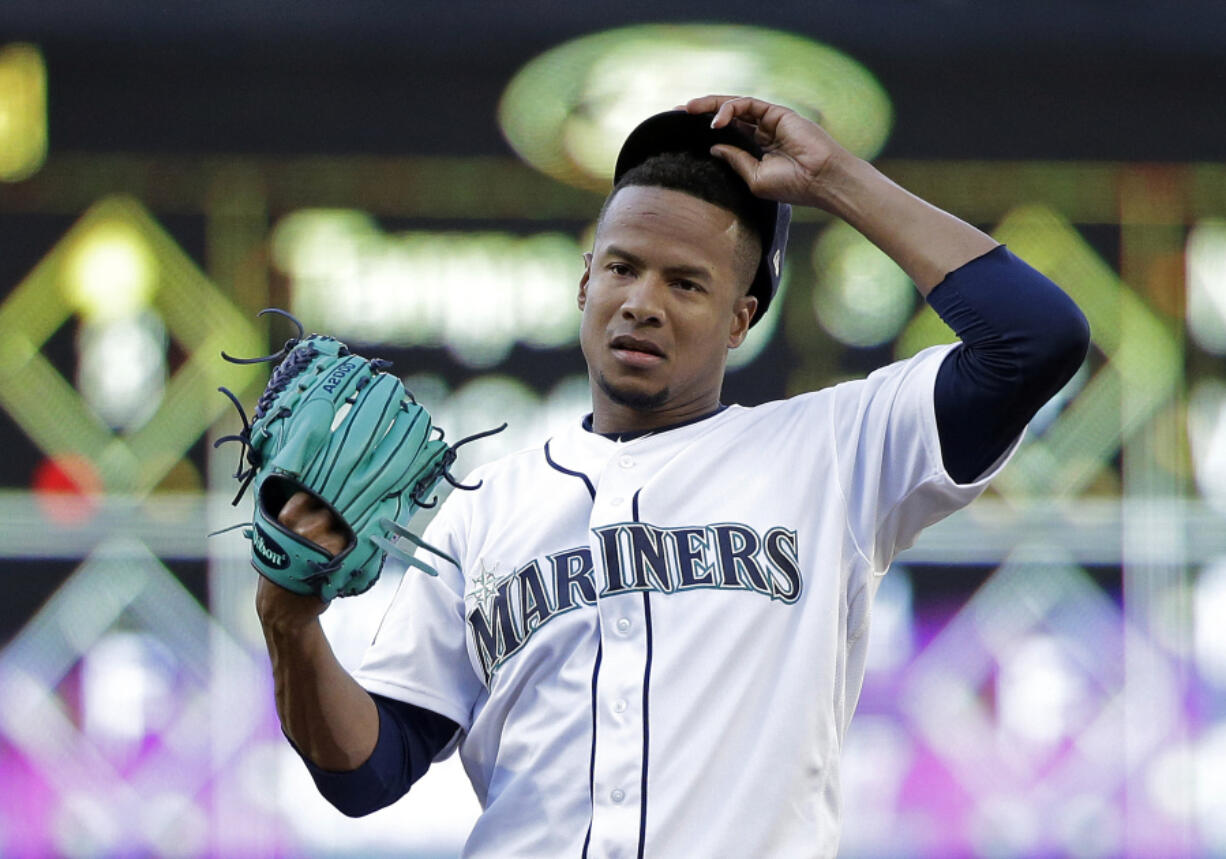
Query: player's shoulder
x: 774, y: 422
x: 914, y: 372
x: 513, y: 467
x: 921, y: 366
x: 773, y: 410
x: 839, y: 392
x: 525, y: 457
x: 483, y: 484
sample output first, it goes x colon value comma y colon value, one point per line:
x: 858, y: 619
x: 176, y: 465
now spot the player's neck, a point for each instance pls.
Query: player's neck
x: 625, y: 430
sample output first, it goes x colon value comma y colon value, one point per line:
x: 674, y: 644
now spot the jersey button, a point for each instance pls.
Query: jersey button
x: 626, y: 462
x: 623, y: 624
x: 618, y: 501
x: 619, y: 706
x: 617, y: 795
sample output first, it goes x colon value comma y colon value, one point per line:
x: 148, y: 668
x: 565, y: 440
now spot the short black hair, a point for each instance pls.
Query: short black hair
x: 708, y: 179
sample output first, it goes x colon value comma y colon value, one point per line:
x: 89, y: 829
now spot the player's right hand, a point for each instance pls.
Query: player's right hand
x: 800, y: 157
x: 307, y: 517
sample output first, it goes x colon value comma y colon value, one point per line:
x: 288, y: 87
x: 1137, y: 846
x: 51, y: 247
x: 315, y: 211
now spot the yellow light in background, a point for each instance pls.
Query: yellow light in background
x: 861, y: 296
x: 23, y: 112
x: 110, y: 273
x: 568, y: 110
x: 146, y: 268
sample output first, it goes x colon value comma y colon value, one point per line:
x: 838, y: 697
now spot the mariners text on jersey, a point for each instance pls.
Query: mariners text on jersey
x: 637, y: 556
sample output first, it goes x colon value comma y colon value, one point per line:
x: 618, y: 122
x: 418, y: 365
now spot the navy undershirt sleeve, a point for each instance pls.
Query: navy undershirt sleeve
x: 1022, y: 338
x: 409, y: 739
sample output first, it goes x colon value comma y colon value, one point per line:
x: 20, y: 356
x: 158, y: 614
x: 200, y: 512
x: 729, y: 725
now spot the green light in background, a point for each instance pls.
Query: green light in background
x: 861, y: 296
x: 568, y: 110
x: 23, y: 112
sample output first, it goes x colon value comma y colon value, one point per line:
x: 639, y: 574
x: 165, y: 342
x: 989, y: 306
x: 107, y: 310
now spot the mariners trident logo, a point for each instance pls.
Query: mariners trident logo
x: 485, y: 586
x: 635, y: 556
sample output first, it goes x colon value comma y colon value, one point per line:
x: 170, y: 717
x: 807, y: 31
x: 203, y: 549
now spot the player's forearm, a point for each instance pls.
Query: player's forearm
x: 926, y: 242
x: 325, y: 713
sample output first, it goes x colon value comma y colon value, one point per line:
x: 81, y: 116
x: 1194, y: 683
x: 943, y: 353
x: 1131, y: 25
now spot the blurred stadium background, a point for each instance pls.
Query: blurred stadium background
x: 1048, y: 669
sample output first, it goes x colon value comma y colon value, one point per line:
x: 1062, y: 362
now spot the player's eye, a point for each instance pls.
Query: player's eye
x: 687, y: 285
x: 620, y: 269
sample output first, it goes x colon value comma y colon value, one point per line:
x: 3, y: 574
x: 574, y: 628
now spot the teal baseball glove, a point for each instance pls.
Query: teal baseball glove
x: 341, y: 428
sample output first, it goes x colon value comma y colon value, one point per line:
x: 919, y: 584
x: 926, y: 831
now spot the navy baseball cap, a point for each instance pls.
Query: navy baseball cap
x: 679, y: 131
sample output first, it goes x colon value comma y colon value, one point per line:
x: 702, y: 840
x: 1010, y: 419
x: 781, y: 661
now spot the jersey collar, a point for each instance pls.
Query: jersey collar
x: 633, y: 434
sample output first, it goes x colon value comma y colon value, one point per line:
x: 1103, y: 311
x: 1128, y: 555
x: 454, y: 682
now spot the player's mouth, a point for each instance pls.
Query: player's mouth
x: 635, y: 352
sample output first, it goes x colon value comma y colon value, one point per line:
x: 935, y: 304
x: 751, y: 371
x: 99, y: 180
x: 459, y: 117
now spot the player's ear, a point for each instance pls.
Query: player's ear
x: 742, y: 315
x: 587, y: 272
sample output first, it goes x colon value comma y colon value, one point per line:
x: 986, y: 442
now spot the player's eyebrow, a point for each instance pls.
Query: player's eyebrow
x: 697, y: 272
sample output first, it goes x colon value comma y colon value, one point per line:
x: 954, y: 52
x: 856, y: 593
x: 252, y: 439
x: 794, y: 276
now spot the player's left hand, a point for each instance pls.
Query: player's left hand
x: 800, y: 158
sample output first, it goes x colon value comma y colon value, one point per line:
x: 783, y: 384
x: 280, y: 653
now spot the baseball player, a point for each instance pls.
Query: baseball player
x: 655, y: 635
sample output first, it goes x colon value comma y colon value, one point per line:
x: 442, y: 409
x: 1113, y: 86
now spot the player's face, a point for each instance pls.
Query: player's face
x: 663, y: 302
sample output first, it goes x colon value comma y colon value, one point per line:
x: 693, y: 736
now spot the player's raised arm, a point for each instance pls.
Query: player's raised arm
x: 804, y: 165
x: 1022, y: 337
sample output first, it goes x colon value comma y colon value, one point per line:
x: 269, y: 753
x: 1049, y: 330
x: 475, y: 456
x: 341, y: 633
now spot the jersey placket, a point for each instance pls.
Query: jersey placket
x: 620, y: 744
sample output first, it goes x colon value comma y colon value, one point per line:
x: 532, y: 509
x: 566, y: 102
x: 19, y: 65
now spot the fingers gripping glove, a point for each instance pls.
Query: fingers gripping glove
x: 337, y: 426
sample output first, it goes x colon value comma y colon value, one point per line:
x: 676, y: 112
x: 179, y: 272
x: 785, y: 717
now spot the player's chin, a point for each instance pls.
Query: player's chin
x: 635, y: 393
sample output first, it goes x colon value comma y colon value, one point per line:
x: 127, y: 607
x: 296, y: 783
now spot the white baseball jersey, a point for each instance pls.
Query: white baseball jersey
x: 654, y: 647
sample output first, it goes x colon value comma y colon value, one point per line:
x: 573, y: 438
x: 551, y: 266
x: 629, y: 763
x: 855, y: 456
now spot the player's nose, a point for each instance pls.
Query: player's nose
x: 643, y: 300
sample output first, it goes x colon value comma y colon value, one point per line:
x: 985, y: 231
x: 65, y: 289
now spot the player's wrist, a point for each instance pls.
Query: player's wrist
x: 286, y: 614
x: 845, y: 186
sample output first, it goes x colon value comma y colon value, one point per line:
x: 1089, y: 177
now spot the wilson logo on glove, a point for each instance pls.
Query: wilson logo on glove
x: 266, y: 548
x: 341, y: 428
